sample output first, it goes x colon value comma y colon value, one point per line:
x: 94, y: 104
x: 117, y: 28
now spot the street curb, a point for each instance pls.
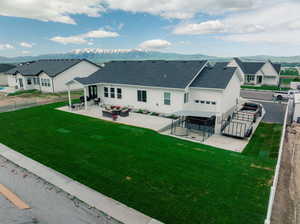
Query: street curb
x: 91, y: 197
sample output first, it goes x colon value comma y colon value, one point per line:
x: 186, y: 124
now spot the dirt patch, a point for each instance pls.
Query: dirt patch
x: 261, y: 167
x: 286, y: 207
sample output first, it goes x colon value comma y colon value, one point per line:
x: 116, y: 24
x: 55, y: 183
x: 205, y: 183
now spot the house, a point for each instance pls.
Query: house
x: 49, y: 75
x: 193, y: 89
x: 258, y: 73
x: 3, y: 76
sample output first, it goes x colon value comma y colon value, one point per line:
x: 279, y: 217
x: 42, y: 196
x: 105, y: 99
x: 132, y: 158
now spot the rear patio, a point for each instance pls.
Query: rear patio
x: 134, y: 119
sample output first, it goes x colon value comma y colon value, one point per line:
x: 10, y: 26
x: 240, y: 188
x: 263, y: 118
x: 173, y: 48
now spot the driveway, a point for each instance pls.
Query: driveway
x: 274, y: 112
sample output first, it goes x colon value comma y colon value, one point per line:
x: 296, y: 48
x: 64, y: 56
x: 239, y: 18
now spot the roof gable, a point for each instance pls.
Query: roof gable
x: 217, y: 76
x: 52, y: 67
x: 159, y: 73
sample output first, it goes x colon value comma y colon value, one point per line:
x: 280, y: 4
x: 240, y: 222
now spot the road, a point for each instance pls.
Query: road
x: 259, y: 95
x: 274, y: 111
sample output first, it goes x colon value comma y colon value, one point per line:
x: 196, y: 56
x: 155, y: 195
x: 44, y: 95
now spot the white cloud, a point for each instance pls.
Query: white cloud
x: 27, y: 45
x: 266, y: 23
x: 156, y: 44
x: 214, y: 26
x: 51, y: 10
x: 84, y: 38
x: 6, y: 46
x: 180, y: 9
x: 62, y: 10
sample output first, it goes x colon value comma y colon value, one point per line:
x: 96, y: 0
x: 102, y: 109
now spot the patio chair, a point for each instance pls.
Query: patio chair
x: 97, y: 101
x: 124, y: 113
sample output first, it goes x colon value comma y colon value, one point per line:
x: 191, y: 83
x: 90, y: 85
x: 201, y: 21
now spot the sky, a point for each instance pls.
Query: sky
x: 211, y: 27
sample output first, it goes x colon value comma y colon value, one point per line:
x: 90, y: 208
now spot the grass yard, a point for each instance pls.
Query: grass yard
x: 174, y: 181
x: 266, y: 141
x: 271, y: 88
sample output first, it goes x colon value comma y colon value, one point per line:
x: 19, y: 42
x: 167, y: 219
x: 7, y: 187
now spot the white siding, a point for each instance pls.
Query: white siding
x: 3, y: 79
x: 211, y: 95
x: 46, y: 89
x: 82, y: 69
x: 231, y: 95
x: 270, y: 75
x: 155, y: 98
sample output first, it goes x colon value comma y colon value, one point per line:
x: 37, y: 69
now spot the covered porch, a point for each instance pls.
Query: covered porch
x: 90, y: 95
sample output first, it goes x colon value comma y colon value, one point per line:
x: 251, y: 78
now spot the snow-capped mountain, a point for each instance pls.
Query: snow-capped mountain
x: 105, y: 51
x: 99, y: 55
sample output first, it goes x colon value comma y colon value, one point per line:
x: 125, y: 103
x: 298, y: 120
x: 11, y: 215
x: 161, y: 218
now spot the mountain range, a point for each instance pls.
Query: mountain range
x: 98, y: 55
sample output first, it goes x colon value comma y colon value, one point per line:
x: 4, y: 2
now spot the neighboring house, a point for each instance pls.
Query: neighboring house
x: 49, y: 75
x: 185, y: 88
x: 3, y: 77
x: 258, y: 73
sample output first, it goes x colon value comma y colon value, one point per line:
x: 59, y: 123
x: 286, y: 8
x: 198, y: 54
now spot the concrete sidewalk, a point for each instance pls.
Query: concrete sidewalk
x: 112, y: 208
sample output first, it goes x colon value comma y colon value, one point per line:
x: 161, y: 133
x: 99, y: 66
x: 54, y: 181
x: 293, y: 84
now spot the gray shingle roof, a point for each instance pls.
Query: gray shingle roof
x: 254, y: 67
x: 52, y: 67
x: 217, y: 76
x: 6, y: 67
x: 277, y: 67
x: 160, y: 73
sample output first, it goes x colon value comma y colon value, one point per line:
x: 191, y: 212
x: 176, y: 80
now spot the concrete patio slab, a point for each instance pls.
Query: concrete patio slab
x: 135, y: 119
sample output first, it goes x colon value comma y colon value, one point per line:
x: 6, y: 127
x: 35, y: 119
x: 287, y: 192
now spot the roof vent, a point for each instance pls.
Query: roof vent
x: 165, y: 76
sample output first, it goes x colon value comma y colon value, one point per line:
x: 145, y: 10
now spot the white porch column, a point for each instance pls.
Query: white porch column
x: 85, y: 96
x: 69, y: 96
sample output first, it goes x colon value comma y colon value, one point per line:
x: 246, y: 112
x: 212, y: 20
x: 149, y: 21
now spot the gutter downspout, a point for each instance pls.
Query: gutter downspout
x: 52, y: 86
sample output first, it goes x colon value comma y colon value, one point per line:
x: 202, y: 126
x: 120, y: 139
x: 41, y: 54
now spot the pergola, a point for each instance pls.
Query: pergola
x: 72, y: 83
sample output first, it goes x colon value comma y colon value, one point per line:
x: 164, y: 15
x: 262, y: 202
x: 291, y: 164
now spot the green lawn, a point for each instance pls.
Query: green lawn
x: 174, y: 181
x: 272, y: 88
x: 265, y: 142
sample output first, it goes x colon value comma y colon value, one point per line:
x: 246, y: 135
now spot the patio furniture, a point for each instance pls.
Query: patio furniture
x: 114, y: 117
x: 124, y: 113
x: 77, y: 106
x: 97, y: 101
x: 107, y: 113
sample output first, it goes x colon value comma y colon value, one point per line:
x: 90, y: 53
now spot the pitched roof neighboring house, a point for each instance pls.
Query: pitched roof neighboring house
x: 52, y: 67
x: 160, y: 73
x: 217, y: 76
x: 6, y: 67
x: 168, y: 74
x: 254, y: 67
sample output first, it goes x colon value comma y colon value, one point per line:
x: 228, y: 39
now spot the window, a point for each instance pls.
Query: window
x: 112, y: 92
x: 119, y: 93
x: 43, y: 82
x: 48, y: 82
x: 105, y: 92
x: 196, y: 101
x: 186, y: 97
x: 250, y: 78
x: 167, y: 98
x: 29, y: 82
x: 202, y: 102
x: 213, y: 102
x: 207, y: 102
x: 142, y: 95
